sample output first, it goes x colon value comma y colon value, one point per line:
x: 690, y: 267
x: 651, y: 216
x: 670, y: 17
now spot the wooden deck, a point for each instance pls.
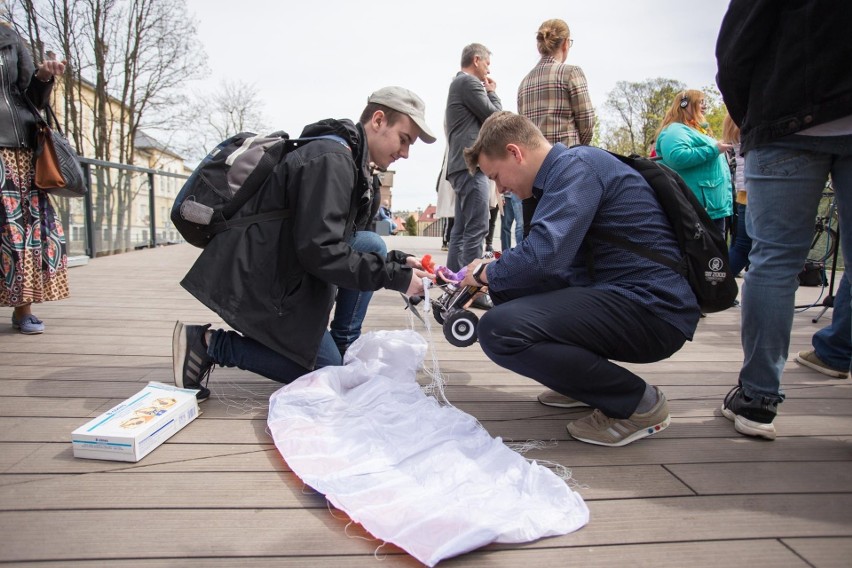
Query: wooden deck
x: 218, y: 493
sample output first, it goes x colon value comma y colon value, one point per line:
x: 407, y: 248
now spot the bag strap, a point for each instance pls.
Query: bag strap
x: 264, y: 167
x: 624, y: 244
x: 221, y: 226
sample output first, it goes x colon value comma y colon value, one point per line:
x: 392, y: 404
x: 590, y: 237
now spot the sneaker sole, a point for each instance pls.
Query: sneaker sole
x: 28, y: 332
x: 575, y: 404
x: 178, y: 349
x: 644, y: 433
x: 824, y: 370
x: 749, y: 427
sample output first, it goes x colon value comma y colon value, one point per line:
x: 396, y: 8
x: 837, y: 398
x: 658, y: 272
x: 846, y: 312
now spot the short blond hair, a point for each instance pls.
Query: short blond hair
x: 498, y: 130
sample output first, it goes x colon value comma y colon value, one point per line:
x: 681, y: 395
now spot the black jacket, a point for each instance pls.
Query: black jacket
x: 275, y: 281
x: 784, y: 65
x: 17, y: 120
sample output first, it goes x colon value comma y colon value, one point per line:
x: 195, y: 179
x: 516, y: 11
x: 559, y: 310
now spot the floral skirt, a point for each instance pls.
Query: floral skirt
x: 33, y: 261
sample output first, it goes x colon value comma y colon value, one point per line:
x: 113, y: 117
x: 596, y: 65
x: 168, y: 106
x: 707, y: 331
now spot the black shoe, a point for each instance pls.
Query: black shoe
x: 751, y: 416
x: 190, y: 361
x: 483, y: 302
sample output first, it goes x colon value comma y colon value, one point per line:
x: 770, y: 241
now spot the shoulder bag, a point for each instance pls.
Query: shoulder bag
x: 57, y: 167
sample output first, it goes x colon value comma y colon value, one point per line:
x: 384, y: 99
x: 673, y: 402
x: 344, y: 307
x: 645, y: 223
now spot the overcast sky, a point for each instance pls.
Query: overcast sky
x: 321, y: 59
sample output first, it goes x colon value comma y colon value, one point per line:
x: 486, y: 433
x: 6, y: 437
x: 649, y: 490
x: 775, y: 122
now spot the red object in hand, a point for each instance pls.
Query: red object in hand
x: 428, y: 264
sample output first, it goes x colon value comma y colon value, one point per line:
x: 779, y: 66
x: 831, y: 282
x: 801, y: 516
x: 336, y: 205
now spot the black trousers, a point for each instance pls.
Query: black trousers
x: 566, y: 338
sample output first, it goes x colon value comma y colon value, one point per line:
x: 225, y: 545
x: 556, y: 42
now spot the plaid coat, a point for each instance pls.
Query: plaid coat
x: 555, y: 97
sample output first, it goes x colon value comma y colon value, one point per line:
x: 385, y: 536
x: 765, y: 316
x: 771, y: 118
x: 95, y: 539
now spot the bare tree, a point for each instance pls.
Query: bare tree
x: 236, y: 107
x: 134, y: 55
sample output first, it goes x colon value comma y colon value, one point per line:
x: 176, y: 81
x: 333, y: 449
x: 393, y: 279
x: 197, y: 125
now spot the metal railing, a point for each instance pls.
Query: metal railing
x: 126, y: 208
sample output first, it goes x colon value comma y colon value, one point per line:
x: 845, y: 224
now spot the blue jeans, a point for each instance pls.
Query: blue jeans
x: 351, y: 305
x: 785, y: 179
x: 513, y: 212
x: 738, y: 253
x: 833, y: 343
x: 231, y: 349
x: 471, y: 218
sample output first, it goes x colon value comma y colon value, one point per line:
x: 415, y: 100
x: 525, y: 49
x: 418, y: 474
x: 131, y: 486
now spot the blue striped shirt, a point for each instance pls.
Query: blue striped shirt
x: 585, y: 187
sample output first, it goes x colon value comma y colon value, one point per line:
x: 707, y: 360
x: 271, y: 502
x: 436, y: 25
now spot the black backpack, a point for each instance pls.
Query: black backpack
x: 226, y: 179
x: 705, y: 253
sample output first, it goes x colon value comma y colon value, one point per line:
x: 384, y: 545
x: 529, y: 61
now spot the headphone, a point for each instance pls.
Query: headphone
x: 684, y: 100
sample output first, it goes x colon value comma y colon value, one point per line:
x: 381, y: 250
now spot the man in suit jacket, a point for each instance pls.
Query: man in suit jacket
x: 472, y: 99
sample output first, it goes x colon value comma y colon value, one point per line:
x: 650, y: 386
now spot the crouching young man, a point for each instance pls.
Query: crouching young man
x: 568, y: 305
x: 275, y: 282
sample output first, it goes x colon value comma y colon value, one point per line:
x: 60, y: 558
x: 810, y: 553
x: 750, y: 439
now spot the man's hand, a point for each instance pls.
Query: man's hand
x: 490, y: 85
x: 469, y: 280
x: 415, y: 286
x: 413, y: 262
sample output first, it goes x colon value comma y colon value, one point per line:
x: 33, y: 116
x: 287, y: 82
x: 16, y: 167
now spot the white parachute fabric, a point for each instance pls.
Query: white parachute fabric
x: 425, y: 477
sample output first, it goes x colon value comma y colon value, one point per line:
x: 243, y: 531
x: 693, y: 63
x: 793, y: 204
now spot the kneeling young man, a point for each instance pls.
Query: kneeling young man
x: 566, y: 304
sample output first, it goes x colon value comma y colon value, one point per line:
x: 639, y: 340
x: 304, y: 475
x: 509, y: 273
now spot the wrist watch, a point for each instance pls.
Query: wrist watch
x: 476, y: 274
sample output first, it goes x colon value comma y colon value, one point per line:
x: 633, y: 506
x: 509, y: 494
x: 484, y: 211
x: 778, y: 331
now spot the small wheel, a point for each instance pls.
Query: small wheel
x: 438, y: 312
x: 460, y: 328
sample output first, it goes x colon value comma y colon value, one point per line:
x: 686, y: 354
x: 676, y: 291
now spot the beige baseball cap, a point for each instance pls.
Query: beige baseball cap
x: 406, y: 102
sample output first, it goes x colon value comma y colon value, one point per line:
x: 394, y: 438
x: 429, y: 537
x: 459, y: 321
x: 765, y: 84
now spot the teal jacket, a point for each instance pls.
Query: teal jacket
x: 697, y: 159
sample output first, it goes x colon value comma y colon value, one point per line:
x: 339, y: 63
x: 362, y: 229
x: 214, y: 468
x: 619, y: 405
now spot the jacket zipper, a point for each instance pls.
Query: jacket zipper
x: 4, y: 80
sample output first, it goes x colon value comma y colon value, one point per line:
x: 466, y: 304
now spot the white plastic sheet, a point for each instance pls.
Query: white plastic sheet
x: 425, y: 477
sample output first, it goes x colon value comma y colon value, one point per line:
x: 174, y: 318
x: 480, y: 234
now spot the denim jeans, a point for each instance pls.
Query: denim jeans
x: 513, y: 212
x: 231, y: 349
x: 351, y: 305
x: 738, y: 253
x: 833, y: 343
x: 471, y: 218
x: 785, y: 179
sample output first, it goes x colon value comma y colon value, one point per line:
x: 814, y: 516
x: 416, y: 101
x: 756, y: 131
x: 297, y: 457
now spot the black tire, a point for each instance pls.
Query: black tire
x: 460, y: 328
x: 823, y: 244
x: 438, y: 312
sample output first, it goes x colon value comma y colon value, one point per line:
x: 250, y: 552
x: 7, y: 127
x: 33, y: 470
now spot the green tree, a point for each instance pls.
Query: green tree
x: 638, y: 109
x: 411, y: 226
x: 716, y: 110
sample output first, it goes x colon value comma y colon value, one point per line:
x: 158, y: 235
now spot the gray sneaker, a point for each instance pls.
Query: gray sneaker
x: 190, y: 362
x: 553, y: 398
x: 811, y: 360
x: 600, y: 429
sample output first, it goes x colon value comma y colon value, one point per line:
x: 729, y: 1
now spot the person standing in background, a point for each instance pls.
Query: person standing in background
x: 686, y: 145
x: 34, y: 266
x: 512, y: 214
x: 555, y: 96
x: 741, y: 244
x: 472, y: 98
x: 446, y: 208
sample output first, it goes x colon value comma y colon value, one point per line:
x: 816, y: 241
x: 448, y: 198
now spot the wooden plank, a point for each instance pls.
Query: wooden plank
x: 752, y: 553
x: 822, y: 552
x: 130, y: 488
x: 747, y: 478
x: 229, y: 533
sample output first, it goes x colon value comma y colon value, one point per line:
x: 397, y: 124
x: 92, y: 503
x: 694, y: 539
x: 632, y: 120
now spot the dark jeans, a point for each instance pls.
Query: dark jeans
x: 565, y: 339
x: 738, y: 253
x: 471, y: 218
x: 492, y: 221
x: 231, y: 349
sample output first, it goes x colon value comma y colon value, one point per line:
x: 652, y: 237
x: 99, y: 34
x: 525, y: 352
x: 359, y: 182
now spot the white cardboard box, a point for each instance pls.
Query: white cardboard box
x: 134, y: 428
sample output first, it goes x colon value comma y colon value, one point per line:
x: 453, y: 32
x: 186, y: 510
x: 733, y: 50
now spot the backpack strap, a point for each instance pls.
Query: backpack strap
x: 264, y: 168
x: 625, y: 244
x: 215, y: 228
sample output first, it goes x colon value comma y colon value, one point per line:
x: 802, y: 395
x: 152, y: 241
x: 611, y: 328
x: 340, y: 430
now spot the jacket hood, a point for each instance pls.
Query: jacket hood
x: 352, y: 133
